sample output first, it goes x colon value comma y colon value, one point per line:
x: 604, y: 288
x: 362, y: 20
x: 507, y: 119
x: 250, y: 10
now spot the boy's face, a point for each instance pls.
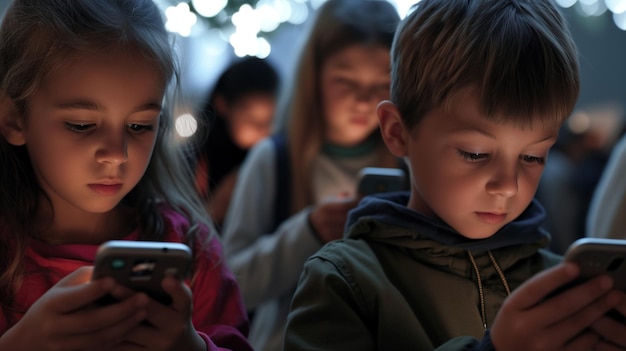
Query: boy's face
x: 90, y: 130
x: 470, y: 172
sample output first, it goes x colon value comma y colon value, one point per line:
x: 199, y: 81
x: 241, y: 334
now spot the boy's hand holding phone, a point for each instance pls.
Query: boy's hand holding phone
x: 532, y: 319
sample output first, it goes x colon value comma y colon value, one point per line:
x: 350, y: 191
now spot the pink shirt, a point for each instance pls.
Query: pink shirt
x: 219, y: 315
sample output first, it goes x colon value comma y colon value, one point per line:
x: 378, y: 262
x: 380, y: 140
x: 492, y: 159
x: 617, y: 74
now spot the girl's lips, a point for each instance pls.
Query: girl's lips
x: 491, y: 218
x: 105, y: 189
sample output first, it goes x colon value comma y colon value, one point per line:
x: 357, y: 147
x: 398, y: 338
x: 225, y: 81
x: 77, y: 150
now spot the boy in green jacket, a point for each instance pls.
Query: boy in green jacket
x: 479, y: 91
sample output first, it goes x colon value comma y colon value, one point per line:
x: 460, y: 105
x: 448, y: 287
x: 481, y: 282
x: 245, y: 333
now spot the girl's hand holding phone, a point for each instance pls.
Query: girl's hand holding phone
x: 67, y: 318
x: 531, y: 319
x: 166, y: 327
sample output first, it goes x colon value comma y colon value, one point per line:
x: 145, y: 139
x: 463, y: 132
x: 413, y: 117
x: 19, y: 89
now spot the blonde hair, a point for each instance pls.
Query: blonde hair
x: 36, y: 37
x: 337, y: 25
x: 518, y: 53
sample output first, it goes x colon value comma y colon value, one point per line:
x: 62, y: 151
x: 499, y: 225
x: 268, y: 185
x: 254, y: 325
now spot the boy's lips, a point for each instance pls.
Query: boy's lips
x: 491, y: 218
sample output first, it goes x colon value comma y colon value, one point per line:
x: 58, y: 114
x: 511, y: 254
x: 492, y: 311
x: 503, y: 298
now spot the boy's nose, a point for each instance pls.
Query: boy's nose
x: 503, y: 183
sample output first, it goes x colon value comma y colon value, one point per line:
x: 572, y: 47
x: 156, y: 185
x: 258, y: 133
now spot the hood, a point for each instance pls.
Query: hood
x: 385, y: 218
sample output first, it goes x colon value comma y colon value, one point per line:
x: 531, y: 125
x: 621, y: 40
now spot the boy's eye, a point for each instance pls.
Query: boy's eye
x: 472, y: 156
x: 533, y: 159
x: 80, y: 127
x: 140, y: 128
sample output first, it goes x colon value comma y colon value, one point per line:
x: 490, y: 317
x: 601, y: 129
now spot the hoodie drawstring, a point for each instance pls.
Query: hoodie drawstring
x: 481, y: 293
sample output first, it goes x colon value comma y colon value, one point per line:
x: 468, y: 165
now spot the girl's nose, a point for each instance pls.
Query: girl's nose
x: 114, y: 150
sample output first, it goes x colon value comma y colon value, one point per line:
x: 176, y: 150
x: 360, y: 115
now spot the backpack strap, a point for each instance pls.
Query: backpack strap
x: 282, y: 198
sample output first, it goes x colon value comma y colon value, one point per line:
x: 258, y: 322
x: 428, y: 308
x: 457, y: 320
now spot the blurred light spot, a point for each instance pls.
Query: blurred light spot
x: 317, y: 3
x: 246, y: 20
x: 264, y: 48
x: 269, y: 18
x: 566, y: 3
x: 186, y: 125
x: 591, y: 8
x: 404, y: 6
x: 209, y: 8
x: 299, y: 13
x: 620, y: 20
x: 579, y: 123
x: 616, y: 6
x: 180, y: 19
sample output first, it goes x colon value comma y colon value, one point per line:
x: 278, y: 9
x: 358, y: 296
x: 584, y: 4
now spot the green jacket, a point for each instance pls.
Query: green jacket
x: 390, y: 286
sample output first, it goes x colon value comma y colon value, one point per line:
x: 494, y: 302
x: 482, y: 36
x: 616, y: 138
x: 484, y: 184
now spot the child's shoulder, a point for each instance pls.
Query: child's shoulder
x: 348, y: 256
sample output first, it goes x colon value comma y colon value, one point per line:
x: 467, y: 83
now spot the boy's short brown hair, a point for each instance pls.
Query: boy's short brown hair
x: 518, y: 53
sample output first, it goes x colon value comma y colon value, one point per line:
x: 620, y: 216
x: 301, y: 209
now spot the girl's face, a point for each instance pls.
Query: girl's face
x: 353, y: 81
x: 90, y: 130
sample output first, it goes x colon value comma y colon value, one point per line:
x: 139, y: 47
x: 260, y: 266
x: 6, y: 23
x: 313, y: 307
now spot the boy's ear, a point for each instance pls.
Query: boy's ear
x: 392, y: 128
x: 11, y: 124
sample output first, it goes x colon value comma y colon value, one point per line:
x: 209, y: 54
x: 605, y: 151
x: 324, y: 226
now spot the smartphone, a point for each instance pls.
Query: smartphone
x: 142, y: 265
x: 597, y: 256
x: 372, y: 180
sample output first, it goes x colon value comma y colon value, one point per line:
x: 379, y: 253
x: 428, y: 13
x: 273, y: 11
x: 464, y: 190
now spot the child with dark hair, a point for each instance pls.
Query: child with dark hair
x: 238, y: 114
x: 479, y: 90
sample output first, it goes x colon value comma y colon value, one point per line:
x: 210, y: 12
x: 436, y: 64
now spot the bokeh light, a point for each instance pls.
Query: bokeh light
x: 248, y: 25
x: 186, y: 125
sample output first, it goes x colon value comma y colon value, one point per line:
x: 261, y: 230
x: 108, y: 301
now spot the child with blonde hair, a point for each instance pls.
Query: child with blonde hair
x: 295, y: 189
x: 87, y: 155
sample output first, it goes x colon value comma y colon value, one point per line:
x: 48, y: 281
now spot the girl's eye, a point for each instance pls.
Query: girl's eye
x: 533, y: 159
x: 80, y: 127
x: 472, y: 156
x: 140, y: 128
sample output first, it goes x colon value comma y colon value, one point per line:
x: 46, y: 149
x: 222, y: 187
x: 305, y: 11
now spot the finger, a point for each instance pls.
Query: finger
x: 93, y: 320
x: 604, y: 345
x: 79, y: 276
x: 142, y: 338
x: 583, y: 342
x: 180, y: 293
x: 611, y: 330
x: 539, y: 286
x: 72, y: 298
x: 584, y: 318
x: 580, y: 305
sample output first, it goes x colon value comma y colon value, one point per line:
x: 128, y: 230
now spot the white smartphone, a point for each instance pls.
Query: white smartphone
x: 142, y: 265
x: 597, y: 256
x: 372, y: 180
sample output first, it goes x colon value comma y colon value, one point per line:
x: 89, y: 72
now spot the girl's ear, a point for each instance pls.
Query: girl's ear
x: 392, y: 128
x: 11, y: 124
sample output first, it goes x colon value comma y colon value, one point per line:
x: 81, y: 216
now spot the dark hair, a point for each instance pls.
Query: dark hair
x: 519, y: 54
x: 249, y: 75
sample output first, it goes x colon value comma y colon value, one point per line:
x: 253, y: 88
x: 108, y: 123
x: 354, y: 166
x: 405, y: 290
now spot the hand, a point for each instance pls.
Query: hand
x: 65, y: 317
x: 329, y: 218
x: 166, y: 327
x: 529, y: 320
x: 612, y: 332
